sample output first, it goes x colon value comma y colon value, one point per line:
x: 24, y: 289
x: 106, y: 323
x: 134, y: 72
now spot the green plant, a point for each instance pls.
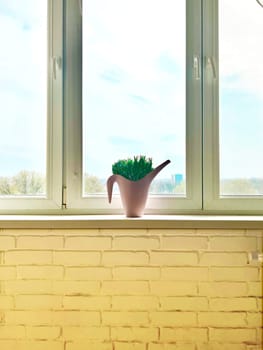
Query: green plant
x: 133, y: 169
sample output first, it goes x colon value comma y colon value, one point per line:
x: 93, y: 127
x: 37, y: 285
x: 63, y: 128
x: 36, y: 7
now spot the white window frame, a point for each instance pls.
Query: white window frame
x: 213, y: 202
x: 73, y: 125
x: 51, y: 203
x: 64, y: 124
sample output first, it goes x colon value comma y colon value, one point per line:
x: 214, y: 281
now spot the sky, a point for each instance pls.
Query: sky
x: 23, y: 89
x: 241, y: 92
x: 136, y: 85
x: 133, y: 85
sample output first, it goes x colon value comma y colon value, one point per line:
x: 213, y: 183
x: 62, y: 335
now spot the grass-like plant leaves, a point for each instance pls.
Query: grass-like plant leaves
x: 133, y: 169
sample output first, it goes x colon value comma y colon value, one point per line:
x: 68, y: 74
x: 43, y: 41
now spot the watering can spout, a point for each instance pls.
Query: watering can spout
x: 156, y: 171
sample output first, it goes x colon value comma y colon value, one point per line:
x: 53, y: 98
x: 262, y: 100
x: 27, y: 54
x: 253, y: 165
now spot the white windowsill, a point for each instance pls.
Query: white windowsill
x: 121, y: 222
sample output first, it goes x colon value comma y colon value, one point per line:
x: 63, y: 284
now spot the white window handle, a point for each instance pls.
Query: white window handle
x: 56, y: 64
x: 210, y: 63
x: 197, y: 67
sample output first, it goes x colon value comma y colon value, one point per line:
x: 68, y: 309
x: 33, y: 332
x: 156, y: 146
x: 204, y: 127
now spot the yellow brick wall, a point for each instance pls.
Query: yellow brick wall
x: 130, y: 290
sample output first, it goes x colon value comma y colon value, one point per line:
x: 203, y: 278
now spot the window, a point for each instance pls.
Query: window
x: 133, y: 74
x: 97, y: 81
x: 31, y: 106
x: 135, y: 91
x: 233, y: 106
x: 240, y: 98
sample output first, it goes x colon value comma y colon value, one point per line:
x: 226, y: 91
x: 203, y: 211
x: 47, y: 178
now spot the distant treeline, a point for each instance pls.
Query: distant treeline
x: 32, y: 183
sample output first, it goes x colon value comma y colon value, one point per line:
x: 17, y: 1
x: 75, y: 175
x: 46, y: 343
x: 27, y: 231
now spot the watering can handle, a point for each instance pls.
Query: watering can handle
x: 110, y: 182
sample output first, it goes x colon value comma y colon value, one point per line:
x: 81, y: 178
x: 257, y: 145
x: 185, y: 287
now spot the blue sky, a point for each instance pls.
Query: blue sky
x: 23, y: 75
x: 134, y: 85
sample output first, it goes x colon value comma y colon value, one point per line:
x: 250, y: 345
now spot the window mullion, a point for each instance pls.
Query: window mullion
x: 55, y: 102
x: 210, y: 103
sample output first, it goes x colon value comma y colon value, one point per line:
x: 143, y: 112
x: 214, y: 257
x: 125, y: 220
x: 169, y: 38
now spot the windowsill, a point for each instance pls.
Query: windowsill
x: 121, y: 222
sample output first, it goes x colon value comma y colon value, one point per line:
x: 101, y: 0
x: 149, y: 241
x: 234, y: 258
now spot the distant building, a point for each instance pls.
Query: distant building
x: 178, y: 179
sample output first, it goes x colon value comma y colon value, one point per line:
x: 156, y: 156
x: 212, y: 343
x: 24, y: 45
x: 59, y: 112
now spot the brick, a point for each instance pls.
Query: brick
x: 221, y: 232
x: 136, y: 273
x: 153, y: 346
x: 174, y: 232
x: 136, y: 243
x: 169, y: 288
x: 28, y: 287
x: 184, y: 242
x: 259, y: 338
x: 184, y: 273
x: 31, y: 345
x: 124, y: 258
x: 76, y: 287
x: 87, y: 345
x: 40, y: 272
x: 223, y: 289
x: 12, y: 332
x: 222, y: 319
x: 8, y: 344
x: 76, y: 318
x: 88, y: 333
x: 125, y: 288
x: 255, y: 289
x: 28, y: 317
x: 173, y: 258
x: 26, y: 231
x: 7, y: 242
x: 39, y: 302
x: 234, y: 274
x: 239, y: 335
x: 184, y: 303
x: 233, y: 243
x: 41, y: 345
x: 122, y: 318
x: 87, y: 243
x: 87, y: 302
x: 28, y: 257
x: 260, y: 304
x: 126, y: 232
x: 223, y: 259
x: 135, y: 303
x: 173, y: 318
x: 254, y: 232
x: 69, y: 232
x: 43, y: 332
x: 200, y: 335
x: 7, y: 273
x: 76, y: 258
x: 233, y: 304
x: 260, y: 242
x: 254, y: 319
x: 222, y: 346
x: 88, y: 273
x: 129, y: 346
x: 40, y: 242
x: 132, y: 334
x: 6, y: 302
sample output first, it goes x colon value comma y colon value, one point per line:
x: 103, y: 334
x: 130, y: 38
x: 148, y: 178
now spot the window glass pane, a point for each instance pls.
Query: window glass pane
x: 134, y: 89
x: 23, y: 96
x: 241, y: 97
